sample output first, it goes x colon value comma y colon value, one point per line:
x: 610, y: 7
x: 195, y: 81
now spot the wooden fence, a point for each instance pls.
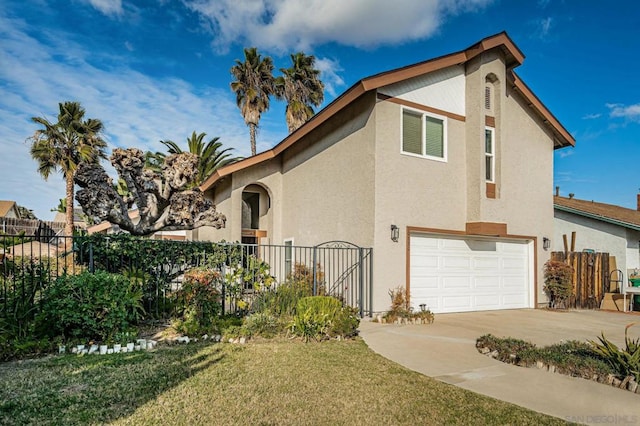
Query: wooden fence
x: 590, y: 277
x: 13, y: 226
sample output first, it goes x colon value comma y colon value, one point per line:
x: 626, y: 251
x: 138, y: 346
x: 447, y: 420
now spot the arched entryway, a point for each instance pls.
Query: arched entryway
x: 256, y: 213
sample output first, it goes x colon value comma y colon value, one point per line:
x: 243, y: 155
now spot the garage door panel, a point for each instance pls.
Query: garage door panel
x: 481, y: 262
x: 514, y: 263
x: 467, y: 274
x: 425, y: 261
x: 514, y: 247
x: 452, y: 246
x: 511, y: 283
x: 456, y: 283
x: 513, y: 300
x: 487, y: 282
x: 456, y: 302
x: 486, y: 301
x: 455, y: 262
x: 426, y: 283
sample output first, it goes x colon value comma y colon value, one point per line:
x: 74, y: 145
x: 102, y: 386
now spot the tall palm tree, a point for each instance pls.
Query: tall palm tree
x: 301, y: 88
x: 253, y: 86
x: 210, y: 155
x: 64, y: 145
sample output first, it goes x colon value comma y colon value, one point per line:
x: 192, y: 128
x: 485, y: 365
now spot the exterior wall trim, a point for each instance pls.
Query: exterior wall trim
x: 490, y: 121
x: 491, y: 190
x: 453, y: 233
x: 489, y: 229
x: 403, y: 102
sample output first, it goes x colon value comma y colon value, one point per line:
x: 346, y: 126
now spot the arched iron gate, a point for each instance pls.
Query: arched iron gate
x: 348, y: 271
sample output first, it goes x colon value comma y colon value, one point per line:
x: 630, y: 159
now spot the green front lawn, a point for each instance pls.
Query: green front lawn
x: 268, y: 382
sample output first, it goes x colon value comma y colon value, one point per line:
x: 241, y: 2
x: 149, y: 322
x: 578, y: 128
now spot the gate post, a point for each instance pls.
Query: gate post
x: 315, y: 281
x: 361, y: 282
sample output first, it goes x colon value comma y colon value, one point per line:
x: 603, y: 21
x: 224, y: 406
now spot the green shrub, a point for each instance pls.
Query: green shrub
x: 262, y: 324
x: 201, y: 300
x: 558, y: 283
x: 283, y: 300
x: 345, y: 323
x: 322, y: 317
x: 222, y: 323
x: 234, y: 331
x: 18, y: 348
x: 573, y: 357
x: 21, y: 284
x: 625, y: 362
x: 93, y: 306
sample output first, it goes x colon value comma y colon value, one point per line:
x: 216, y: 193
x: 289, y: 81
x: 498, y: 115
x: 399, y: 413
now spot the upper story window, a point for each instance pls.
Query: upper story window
x: 424, y: 135
x: 489, y: 154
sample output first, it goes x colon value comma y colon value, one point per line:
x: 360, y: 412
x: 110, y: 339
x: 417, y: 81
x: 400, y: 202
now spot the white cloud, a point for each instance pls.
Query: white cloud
x: 136, y: 109
x: 107, y: 7
x: 285, y: 25
x: 329, y: 70
x: 544, y: 27
x: 628, y: 112
x: 591, y: 116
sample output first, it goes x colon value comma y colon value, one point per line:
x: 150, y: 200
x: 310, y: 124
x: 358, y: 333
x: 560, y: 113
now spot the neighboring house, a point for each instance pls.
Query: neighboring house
x: 599, y: 227
x: 78, y: 218
x: 9, y: 209
x: 456, y: 152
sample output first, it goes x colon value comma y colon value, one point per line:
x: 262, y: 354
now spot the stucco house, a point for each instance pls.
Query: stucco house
x: 456, y: 153
x: 599, y: 227
x: 9, y: 209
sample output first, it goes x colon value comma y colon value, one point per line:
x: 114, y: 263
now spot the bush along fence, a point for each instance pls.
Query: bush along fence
x: 157, y: 279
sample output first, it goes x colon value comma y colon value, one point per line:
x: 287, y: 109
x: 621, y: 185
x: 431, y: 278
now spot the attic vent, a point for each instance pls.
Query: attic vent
x: 487, y: 97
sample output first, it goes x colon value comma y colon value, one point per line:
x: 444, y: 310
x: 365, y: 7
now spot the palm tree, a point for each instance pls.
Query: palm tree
x: 64, y: 145
x: 253, y: 86
x: 210, y: 155
x: 62, y: 206
x: 301, y: 88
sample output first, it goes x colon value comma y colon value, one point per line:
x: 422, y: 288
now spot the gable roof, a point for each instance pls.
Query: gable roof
x: 609, y: 213
x: 513, y: 57
x: 6, y: 206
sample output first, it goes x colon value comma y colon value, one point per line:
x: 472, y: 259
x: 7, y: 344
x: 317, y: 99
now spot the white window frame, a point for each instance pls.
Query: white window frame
x: 491, y: 154
x: 293, y: 255
x: 424, y: 114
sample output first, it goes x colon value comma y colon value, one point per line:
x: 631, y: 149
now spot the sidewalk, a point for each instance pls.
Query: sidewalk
x: 445, y: 350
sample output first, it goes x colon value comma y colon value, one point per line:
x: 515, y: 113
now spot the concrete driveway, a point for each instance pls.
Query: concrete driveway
x: 445, y: 350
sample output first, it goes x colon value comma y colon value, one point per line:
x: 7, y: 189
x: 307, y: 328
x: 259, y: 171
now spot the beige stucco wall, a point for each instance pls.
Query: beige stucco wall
x: 227, y: 196
x: 329, y: 179
x: 412, y: 191
x: 348, y: 180
x: 424, y: 193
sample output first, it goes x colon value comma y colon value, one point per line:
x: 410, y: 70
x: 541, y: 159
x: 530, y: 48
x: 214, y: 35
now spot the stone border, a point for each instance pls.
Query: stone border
x: 628, y: 383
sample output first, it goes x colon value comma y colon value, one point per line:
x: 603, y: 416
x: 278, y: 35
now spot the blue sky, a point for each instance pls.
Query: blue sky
x: 153, y: 70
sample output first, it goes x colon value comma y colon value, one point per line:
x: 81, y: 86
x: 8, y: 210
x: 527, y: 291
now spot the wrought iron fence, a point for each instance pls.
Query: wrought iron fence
x: 29, y: 264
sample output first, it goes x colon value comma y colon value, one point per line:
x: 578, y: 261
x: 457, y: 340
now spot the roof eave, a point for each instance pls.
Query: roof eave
x: 514, y: 58
x: 562, y: 136
x: 597, y: 217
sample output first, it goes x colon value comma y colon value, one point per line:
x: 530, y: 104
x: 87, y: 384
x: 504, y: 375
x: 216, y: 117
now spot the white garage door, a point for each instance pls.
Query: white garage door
x: 464, y: 274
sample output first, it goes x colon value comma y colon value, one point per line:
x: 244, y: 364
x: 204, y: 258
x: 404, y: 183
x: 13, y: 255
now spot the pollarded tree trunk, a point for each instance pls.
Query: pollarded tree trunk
x: 162, y: 198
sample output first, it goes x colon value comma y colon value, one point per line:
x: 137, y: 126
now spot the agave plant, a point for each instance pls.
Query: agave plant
x: 625, y: 361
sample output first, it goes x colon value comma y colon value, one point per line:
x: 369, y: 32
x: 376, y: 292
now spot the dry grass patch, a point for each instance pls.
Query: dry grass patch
x: 269, y: 383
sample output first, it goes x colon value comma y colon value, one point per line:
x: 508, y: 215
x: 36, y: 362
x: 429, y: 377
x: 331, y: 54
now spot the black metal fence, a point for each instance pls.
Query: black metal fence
x: 29, y: 264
